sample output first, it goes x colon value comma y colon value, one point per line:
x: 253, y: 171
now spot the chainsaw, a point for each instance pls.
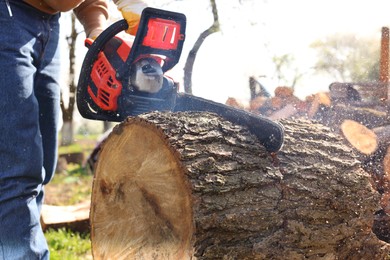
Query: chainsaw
x: 121, y: 78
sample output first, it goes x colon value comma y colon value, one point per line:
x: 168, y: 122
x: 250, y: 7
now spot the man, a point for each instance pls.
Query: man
x: 29, y: 107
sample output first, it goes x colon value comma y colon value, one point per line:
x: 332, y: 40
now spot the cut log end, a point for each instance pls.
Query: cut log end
x: 149, y: 200
x: 359, y: 136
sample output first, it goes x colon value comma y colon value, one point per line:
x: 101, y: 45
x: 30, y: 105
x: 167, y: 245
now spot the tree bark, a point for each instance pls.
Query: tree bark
x: 192, y: 185
x: 67, y: 132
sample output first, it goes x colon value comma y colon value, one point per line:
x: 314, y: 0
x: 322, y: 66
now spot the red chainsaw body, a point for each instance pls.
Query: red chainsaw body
x: 162, y: 34
x: 108, y: 88
x: 105, y: 88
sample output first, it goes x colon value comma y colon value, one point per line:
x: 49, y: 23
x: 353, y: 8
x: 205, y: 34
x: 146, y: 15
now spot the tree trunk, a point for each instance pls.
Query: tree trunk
x: 106, y: 126
x: 67, y: 112
x: 67, y: 132
x: 189, y: 65
x: 192, y: 185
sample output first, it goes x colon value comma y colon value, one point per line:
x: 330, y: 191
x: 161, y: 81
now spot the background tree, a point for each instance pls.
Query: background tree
x: 67, y: 111
x: 286, y: 72
x: 348, y: 58
x: 189, y: 65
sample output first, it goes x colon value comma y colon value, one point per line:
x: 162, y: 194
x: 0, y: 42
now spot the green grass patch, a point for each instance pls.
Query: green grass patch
x: 73, y: 185
x: 80, y: 145
x: 74, y: 148
x: 68, y: 245
x: 69, y: 188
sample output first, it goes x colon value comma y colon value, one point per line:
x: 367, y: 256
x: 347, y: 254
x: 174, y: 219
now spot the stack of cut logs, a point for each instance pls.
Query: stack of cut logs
x: 355, y: 110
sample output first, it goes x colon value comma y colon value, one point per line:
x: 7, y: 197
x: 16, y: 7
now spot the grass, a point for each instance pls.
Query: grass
x: 73, y: 185
x: 68, y: 188
x: 83, y: 143
x: 67, y: 245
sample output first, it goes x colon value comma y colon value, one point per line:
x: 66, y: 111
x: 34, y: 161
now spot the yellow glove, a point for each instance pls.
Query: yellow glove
x: 131, y: 11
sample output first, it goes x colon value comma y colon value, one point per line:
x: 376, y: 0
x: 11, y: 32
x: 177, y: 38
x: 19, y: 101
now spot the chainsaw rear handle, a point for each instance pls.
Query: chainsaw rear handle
x: 269, y: 133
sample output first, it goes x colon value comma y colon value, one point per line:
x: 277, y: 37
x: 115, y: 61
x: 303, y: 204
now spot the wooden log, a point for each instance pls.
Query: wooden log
x: 256, y: 103
x: 378, y: 165
x: 382, y: 226
x: 374, y: 144
x: 371, y: 117
x: 234, y: 103
x: 286, y: 112
x: 385, y: 183
x: 317, y: 102
x: 383, y: 134
x: 192, y: 185
x: 366, y: 94
x: 365, y: 140
x: 74, y: 217
x: 372, y: 148
x: 359, y: 136
x: 344, y: 92
x: 278, y: 107
x: 284, y: 92
x: 75, y: 158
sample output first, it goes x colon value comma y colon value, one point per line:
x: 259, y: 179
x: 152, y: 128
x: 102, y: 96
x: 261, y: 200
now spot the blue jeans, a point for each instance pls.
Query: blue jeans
x: 29, y: 116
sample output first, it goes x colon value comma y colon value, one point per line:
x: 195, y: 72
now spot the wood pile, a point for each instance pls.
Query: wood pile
x: 361, y: 102
x: 356, y: 111
x: 284, y: 104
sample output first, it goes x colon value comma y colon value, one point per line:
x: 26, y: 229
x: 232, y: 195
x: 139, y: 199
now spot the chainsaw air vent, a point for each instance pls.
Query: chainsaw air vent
x: 102, y: 69
x: 108, y: 87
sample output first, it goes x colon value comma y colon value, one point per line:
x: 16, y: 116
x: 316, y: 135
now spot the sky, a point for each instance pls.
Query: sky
x: 254, y: 31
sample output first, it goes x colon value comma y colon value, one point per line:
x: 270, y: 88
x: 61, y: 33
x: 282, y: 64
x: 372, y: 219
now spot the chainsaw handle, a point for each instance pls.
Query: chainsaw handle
x: 107, y: 35
x: 85, y: 104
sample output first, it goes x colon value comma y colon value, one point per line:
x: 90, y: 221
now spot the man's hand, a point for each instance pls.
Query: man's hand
x: 131, y: 11
x: 95, y: 33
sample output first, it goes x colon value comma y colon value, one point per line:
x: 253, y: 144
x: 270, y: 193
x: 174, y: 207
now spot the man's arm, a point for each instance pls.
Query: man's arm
x: 93, y: 15
x: 62, y: 6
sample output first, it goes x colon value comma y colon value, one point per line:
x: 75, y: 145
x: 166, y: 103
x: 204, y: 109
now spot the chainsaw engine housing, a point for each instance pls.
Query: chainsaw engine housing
x: 121, y: 78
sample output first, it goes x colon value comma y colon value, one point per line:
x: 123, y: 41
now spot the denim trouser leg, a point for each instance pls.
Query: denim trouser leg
x: 29, y: 107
